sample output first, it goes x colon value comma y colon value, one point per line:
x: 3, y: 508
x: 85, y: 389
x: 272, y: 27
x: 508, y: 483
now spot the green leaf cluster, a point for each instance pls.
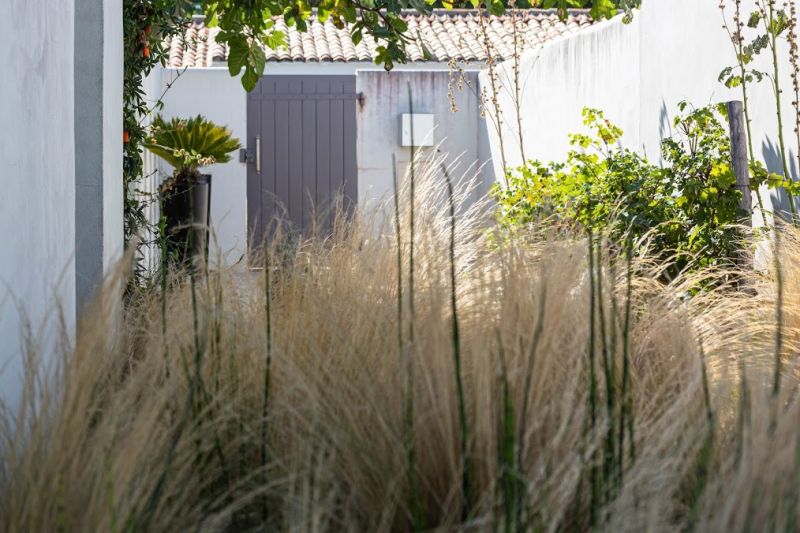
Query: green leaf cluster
x: 188, y: 145
x: 685, y: 208
x: 599, y: 9
x: 775, y: 24
x: 247, y: 26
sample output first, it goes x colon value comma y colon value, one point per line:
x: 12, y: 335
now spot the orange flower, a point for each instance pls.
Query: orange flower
x: 126, y: 137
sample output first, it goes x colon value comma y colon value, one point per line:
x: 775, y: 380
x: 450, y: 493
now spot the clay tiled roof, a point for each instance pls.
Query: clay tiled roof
x: 456, y: 34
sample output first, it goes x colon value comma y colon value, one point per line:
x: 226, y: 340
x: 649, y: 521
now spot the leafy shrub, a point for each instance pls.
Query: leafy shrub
x: 688, y: 206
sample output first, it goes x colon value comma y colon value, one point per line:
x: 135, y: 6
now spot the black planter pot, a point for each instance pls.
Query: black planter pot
x: 187, y: 211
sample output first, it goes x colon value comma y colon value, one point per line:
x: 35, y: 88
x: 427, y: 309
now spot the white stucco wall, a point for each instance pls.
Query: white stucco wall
x: 457, y: 134
x: 597, y: 67
x: 681, y: 58
x: 37, y: 177
x: 637, y: 73
x: 213, y: 93
x: 688, y: 68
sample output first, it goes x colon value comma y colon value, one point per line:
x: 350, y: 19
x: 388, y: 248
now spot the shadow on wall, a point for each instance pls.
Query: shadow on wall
x: 771, y: 156
x: 486, y: 168
x: 664, y: 129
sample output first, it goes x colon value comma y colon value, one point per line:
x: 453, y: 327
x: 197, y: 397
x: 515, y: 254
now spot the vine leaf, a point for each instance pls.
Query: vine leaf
x: 274, y: 39
x: 237, y: 56
x: 603, y: 9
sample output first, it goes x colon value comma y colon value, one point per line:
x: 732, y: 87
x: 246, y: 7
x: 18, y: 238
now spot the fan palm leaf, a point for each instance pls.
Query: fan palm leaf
x: 190, y: 144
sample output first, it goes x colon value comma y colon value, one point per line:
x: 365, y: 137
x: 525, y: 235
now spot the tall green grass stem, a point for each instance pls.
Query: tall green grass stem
x: 416, y: 506
x: 267, y: 367
x: 466, y: 481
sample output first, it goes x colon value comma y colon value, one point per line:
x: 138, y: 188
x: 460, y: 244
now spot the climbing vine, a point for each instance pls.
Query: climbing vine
x: 145, y: 25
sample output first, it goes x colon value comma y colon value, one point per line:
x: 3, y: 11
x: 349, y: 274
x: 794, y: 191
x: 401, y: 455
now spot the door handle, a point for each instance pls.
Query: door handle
x: 258, y: 154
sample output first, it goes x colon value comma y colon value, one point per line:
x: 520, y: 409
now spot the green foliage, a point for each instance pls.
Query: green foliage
x: 190, y: 144
x: 774, y: 24
x: 599, y: 9
x: 145, y: 26
x: 702, y: 179
x: 748, y: 50
x: 688, y: 206
x: 248, y: 25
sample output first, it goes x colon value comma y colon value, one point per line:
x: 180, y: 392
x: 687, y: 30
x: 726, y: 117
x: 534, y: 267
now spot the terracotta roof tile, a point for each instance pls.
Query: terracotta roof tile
x: 447, y: 35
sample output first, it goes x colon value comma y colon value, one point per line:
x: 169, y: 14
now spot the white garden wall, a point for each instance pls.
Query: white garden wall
x: 637, y: 73
x: 597, y: 67
x: 37, y: 178
x: 684, y: 48
x: 60, y: 171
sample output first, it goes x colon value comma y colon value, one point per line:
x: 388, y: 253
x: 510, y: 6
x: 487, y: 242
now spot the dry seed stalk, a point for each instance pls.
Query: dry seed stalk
x: 491, y: 68
x: 590, y: 433
x: 737, y: 40
x: 769, y: 18
x: 794, y: 61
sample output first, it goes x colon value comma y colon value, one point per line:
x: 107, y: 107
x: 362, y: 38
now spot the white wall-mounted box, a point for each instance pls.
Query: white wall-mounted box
x: 423, y: 129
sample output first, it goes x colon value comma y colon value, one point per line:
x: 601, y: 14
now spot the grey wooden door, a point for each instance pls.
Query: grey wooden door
x: 306, y: 128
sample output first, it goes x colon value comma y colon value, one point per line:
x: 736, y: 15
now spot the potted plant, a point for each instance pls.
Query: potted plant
x: 185, y: 197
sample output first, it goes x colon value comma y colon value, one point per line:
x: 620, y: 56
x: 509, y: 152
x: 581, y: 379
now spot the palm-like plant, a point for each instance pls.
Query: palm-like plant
x: 188, y: 145
x: 185, y: 197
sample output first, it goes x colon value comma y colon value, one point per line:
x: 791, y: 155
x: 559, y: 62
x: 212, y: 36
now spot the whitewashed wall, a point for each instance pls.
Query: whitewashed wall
x: 458, y: 135
x: 37, y: 177
x: 60, y: 171
x: 597, y: 67
x: 637, y: 73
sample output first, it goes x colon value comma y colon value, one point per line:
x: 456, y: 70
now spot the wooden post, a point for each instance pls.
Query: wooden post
x: 739, y: 158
